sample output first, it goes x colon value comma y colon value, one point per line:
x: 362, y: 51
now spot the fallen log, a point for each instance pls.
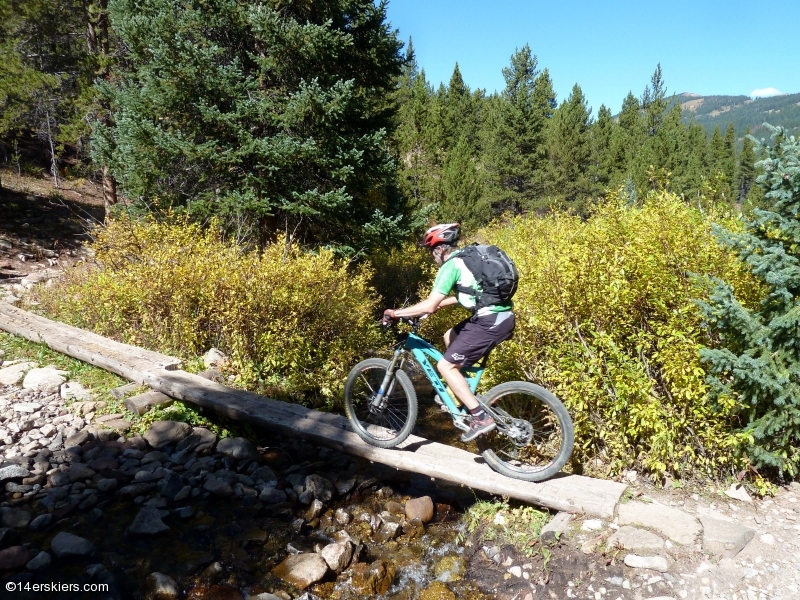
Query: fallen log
x: 570, y: 493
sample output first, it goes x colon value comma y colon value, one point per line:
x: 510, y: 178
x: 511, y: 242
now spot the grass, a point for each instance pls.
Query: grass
x: 518, y: 526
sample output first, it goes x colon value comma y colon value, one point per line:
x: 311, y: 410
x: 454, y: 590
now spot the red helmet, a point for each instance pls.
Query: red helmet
x: 441, y: 234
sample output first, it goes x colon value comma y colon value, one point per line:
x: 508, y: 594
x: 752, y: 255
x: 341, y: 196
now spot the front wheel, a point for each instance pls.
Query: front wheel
x: 390, y: 423
x: 534, y: 435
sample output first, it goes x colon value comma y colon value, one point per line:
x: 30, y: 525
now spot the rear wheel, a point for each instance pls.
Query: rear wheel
x: 534, y: 435
x: 390, y: 423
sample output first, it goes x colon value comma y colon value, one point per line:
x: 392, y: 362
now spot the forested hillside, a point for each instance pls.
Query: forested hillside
x: 743, y: 112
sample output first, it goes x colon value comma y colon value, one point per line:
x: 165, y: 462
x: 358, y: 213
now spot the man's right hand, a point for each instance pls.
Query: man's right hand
x: 389, y: 316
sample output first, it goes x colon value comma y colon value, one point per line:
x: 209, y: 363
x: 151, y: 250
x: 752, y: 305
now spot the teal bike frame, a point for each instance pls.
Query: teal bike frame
x: 422, y: 350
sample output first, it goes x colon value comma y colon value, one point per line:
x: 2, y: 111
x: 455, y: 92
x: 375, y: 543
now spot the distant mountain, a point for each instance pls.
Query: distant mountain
x: 742, y: 111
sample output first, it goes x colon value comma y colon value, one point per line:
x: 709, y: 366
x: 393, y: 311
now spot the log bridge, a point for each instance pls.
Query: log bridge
x: 569, y: 493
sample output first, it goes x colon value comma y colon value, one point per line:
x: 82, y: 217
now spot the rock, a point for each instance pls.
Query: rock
x: 420, y: 508
x: 185, y: 513
x: 172, y: 485
x: 214, y: 358
x: 161, y: 587
x: 341, y: 516
x: 148, y: 522
x: 201, y: 440
x: 13, y: 472
x: 638, y: 541
x: 677, y: 525
x: 315, y: 510
x: 183, y: 493
x: 41, y: 522
x: 44, y: 380
x: 556, y: 527
x: 264, y: 474
x: 79, y: 472
x: 39, y: 562
x: 26, y: 407
x: 84, y: 435
x: 73, y: 389
x: 724, y: 538
x: 16, y: 518
x: 737, y: 492
x: 337, y: 556
x: 107, y: 485
x: 66, y: 544
x: 238, y: 448
x: 58, y: 479
x: 13, y: 375
x: 272, y: 496
x: 655, y: 563
x: 449, y: 568
x: 321, y: 488
x: 373, y: 579
x: 164, y: 433
x: 437, y: 590
x: 218, y: 487
x: 592, y: 525
x: 13, y: 558
x: 117, y: 424
x: 302, y: 570
x: 8, y: 537
x: 344, y: 486
x: 136, y: 489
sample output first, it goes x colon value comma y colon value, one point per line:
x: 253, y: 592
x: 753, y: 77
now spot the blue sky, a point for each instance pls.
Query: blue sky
x: 611, y: 47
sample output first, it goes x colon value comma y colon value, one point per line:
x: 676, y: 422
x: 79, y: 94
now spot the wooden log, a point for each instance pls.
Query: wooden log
x: 120, y: 392
x: 141, y: 403
x: 570, y: 493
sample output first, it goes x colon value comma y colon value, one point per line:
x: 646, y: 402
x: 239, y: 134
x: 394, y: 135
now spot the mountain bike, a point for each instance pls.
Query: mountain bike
x: 534, y: 435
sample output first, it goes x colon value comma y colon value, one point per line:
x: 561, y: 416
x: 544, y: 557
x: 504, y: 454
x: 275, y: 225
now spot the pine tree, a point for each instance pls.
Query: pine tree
x: 602, y: 166
x: 746, y: 171
x: 569, y: 150
x: 729, y: 159
x: 516, y: 145
x: 758, y: 364
x: 462, y: 193
x: 272, y: 118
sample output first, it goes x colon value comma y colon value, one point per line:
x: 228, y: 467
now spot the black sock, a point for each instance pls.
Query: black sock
x: 477, y: 413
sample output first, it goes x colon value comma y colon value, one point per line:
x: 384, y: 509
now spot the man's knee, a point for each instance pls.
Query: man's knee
x: 445, y: 365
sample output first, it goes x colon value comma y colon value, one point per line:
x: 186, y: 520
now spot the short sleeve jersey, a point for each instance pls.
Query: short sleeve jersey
x: 455, y: 273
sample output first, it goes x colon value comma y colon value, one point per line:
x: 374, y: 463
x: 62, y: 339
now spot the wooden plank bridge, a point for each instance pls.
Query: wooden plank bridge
x: 570, y: 493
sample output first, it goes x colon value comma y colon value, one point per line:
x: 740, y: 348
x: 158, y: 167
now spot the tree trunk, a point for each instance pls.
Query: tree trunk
x: 109, y: 190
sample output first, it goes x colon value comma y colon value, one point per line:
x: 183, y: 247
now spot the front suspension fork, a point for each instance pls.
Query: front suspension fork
x: 389, y: 380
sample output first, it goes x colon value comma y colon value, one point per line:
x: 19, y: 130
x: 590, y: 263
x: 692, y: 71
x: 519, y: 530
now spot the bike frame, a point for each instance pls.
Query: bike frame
x: 422, y: 350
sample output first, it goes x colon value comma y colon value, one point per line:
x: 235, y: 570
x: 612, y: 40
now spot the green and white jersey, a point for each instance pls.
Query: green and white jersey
x: 455, y: 273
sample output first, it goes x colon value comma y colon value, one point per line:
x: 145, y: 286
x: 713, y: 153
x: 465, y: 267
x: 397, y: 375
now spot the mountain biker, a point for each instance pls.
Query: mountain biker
x: 473, y: 337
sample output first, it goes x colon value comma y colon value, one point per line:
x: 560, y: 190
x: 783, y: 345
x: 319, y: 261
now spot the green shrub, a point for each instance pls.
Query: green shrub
x: 292, y: 322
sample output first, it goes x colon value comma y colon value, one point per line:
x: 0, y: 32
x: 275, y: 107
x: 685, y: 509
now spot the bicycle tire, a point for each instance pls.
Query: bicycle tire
x: 544, y: 448
x: 391, y: 426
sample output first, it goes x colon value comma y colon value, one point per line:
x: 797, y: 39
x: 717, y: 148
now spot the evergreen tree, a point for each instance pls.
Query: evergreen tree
x: 602, y: 165
x: 746, y: 171
x: 462, y: 193
x: 569, y: 150
x: 718, y: 186
x: 729, y: 158
x: 517, y: 139
x: 270, y: 117
x: 758, y: 364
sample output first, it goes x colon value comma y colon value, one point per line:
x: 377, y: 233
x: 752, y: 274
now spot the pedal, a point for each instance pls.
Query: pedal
x: 459, y: 422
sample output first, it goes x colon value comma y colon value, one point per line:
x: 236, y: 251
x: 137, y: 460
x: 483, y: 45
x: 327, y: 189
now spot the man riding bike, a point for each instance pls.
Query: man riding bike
x: 473, y: 337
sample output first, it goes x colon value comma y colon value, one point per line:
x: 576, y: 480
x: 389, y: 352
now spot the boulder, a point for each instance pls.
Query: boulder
x: 13, y: 472
x: 201, y: 440
x: 238, y: 448
x: 66, y: 544
x: 14, y: 557
x: 79, y: 472
x: 638, y: 541
x: 420, y: 508
x: 337, y: 555
x: 13, y: 375
x: 84, y: 435
x: 655, y: 563
x: 302, y: 570
x: 724, y: 538
x: 148, y: 522
x: 676, y: 524
x: 164, y: 433
x: 214, y: 358
x: 40, y: 562
x: 272, y: 496
x: 320, y: 488
x: 373, y: 579
x: 46, y: 380
x: 73, y: 389
x: 263, y: 474
x: 161, y: 587
x: 41, y: 522
x: 218, y: 487
x: 15, y: 518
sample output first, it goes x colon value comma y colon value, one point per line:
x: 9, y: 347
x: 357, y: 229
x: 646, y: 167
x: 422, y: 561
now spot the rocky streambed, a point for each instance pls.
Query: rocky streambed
x: 179, y: 512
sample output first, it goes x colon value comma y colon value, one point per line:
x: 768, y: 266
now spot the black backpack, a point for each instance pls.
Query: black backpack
x: 494, y: 271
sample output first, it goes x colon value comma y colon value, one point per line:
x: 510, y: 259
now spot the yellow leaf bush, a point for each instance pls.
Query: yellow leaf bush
x: 607, y: 321
x: 293, y: 323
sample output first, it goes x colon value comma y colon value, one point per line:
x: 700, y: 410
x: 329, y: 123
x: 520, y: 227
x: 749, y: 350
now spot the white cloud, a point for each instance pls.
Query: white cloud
x: 765, y: 93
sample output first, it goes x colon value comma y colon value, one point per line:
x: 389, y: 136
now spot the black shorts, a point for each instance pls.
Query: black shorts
x: 474, y: 337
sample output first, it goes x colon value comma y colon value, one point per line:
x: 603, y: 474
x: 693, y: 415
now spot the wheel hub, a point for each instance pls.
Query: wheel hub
x: 520, y: 432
